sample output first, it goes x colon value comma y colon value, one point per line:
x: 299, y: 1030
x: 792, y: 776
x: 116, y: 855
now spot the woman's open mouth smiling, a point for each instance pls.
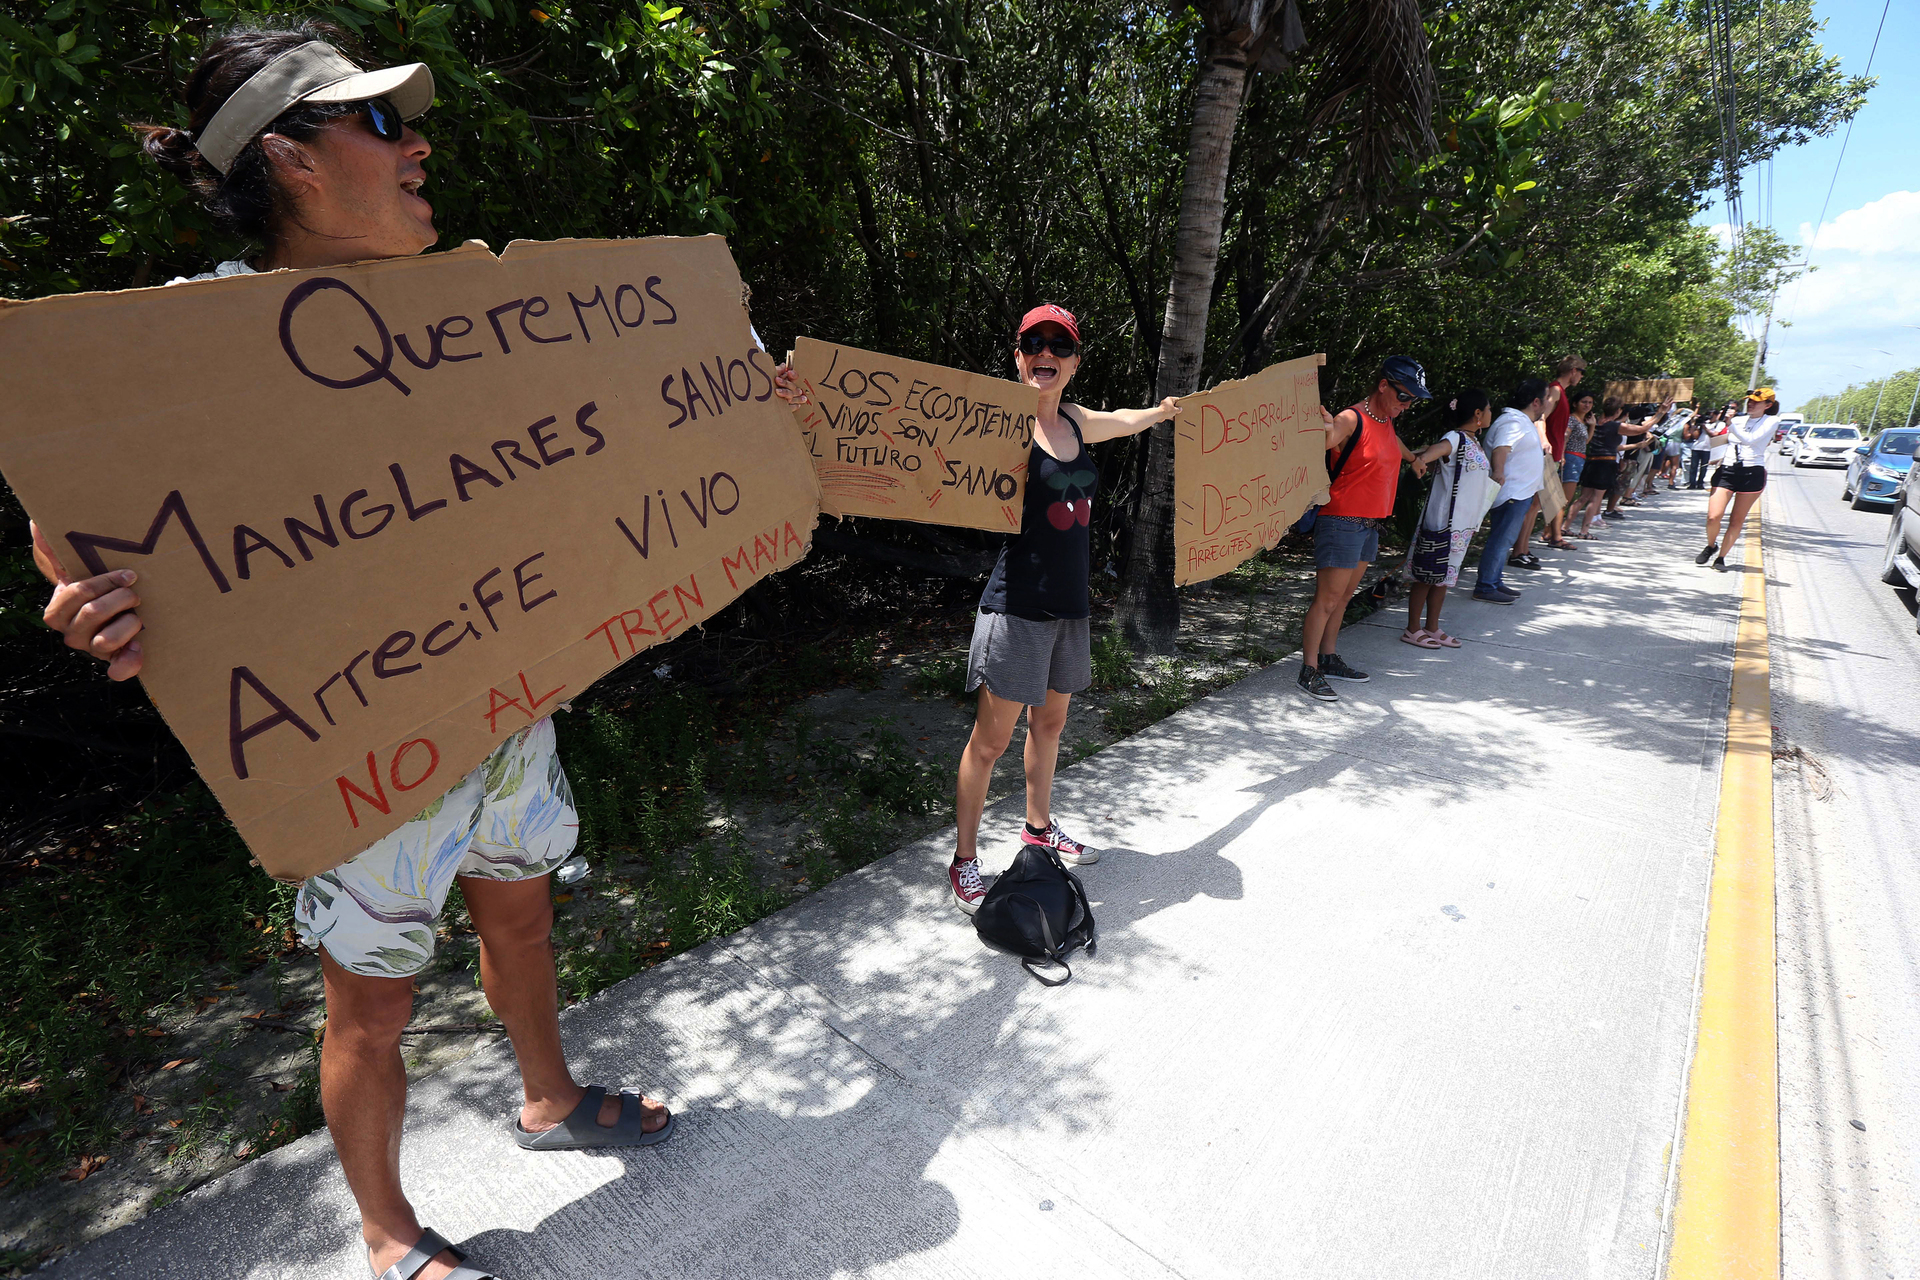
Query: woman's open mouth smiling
x: 1042, y: 372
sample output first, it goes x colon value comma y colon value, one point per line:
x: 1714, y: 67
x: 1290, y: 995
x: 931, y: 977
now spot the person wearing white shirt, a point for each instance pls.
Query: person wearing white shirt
x: 1516, y: 449
x: 1698, y: 450
x: 1741, y: 478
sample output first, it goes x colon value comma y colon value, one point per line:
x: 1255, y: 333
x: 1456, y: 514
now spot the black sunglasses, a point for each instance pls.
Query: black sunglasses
x: 386, y: 122
x: 1402, y: 396
x: 1033, y: 344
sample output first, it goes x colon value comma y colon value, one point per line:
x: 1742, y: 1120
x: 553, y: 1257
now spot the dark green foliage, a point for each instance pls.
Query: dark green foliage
x: 94, y: 939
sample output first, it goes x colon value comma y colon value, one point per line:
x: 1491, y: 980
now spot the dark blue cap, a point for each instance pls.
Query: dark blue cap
x: 1405, y: 373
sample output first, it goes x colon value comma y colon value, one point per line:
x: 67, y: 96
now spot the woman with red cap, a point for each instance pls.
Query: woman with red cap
x: 1032, y: 649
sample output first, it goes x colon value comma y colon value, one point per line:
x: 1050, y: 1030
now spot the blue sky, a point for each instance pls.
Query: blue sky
x: 1846, y: 321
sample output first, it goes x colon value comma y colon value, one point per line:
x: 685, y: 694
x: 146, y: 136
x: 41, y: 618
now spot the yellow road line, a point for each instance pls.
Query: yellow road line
x: 1726, y: 1224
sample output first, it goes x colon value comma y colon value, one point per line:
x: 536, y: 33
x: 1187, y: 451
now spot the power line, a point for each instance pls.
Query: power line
x: 1845, y: 139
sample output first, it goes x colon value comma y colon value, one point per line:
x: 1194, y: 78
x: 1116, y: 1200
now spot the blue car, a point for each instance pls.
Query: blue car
x: 1876, y: 470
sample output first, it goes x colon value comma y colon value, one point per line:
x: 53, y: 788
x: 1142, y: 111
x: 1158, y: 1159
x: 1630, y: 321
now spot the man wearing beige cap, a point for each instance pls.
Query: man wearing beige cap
x: 294, y: 146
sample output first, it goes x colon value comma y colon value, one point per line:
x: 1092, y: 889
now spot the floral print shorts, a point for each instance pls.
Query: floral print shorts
x: 510, y: 819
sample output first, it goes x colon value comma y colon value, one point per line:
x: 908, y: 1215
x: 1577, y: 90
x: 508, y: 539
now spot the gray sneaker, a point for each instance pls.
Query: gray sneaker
x: 1315, y: 685
x: 1334, y: 667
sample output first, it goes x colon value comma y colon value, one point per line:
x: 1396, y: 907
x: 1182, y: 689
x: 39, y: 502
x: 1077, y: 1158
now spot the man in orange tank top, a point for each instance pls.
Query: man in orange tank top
x: 1364, y: 480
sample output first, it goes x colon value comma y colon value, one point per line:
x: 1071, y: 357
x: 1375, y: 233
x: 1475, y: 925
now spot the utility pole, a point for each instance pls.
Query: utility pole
x: 1760, y: 349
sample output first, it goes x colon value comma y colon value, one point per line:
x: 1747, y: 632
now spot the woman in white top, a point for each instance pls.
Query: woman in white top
x: 1740, y: 479
x: 1463, y: 485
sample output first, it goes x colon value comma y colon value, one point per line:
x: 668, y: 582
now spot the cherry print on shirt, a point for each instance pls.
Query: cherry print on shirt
x: 1062, y: 515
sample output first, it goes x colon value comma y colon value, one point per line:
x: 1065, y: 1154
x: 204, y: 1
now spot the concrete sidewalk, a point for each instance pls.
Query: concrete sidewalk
x: 1400, y: 986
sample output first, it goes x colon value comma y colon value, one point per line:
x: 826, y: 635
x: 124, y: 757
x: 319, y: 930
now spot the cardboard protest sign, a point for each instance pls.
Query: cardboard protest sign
x: 909, y: 441
x: 385, y: 515
x: 1651, y: 390
x: 1248, y: 456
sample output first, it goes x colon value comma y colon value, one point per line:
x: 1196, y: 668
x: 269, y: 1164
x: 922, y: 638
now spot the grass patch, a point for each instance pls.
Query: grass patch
x: 97, y: 943
x: 943, y: 675
x: 1169, y: 686
x: 1112, y: 662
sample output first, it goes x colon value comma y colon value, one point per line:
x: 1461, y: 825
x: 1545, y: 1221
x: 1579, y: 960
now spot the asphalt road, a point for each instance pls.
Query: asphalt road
x: 1846, y: 714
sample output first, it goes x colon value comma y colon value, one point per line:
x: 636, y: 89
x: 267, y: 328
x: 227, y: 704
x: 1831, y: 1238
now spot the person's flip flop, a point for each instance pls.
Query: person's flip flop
x: 582, y: 1128
x: 1446, y: 641
x: 430, y: 1244
x: 1420, y: 639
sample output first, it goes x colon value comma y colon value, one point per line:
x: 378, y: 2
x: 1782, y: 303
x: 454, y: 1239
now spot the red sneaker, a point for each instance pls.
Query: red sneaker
x: 1071, y: 851
x: 964, y: 877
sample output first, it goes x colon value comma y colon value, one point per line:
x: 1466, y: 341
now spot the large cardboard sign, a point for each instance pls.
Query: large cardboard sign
x: 910, y: 441
x: 1248, y: 457
x: 386, y: 515
x: 1651, y: 390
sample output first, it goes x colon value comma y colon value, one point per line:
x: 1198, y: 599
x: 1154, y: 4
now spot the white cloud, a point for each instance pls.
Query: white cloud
x: 1844, y: 318
x: 1889, y: 224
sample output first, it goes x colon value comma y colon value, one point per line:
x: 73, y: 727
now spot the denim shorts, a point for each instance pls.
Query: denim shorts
x: 510, y: 819
x: 1570, y: 469
x: 1342, y: 542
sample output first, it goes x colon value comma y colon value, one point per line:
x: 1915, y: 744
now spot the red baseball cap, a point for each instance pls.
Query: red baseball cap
x: 1041, y: 314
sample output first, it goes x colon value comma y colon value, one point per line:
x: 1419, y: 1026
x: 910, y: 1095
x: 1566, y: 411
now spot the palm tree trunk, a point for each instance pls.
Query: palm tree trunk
x: 1149, y: 612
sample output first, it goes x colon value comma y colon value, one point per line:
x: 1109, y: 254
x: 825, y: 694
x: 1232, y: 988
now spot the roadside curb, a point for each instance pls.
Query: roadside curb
x: 1726, y: 1219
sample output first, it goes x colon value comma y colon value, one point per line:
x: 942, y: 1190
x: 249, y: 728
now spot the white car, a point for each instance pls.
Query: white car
x: 1825, y: 445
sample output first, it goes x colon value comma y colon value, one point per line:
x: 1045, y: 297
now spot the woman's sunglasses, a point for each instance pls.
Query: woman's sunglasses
x: 386, y: 122
x: 1033, y: 344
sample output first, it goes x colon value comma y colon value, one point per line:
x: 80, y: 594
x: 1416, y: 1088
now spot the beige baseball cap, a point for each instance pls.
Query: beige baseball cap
x: 314, y: 72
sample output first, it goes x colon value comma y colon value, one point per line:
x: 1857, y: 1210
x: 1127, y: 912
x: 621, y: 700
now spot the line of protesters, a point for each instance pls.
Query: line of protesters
x: 1548, y: 455
x: 292, y: 145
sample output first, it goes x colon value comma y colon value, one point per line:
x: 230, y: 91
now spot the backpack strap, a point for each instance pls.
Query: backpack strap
x: 1346, y: 450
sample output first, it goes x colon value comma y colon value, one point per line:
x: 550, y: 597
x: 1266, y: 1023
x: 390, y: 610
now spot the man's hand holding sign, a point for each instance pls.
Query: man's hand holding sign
x: 427, y: 500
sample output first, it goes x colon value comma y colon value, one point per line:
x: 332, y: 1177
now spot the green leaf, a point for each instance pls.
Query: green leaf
x: 485, y: 7
x: 372, y: 6
x: 59, y: 12
x: 64, y: 69
x: 67, y: 41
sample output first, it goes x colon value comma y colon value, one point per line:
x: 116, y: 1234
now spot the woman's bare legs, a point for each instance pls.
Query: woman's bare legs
x: 1742, y: 503
x: 992, y: 730
x: 1332, y: 590
x: 1044, y: 726
x: 1588, y: 507
x: 1416, y: 604
x: 1716, y: 507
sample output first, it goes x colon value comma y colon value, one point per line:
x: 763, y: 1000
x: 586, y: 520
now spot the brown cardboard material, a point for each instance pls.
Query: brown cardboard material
x: 385, y: 515
x: 904, y: 440
x: 1651, y: 390
x: 1248, y: 458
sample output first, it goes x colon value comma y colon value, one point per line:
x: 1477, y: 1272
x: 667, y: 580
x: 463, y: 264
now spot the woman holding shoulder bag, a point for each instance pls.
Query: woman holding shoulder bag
x: 1463, y: 485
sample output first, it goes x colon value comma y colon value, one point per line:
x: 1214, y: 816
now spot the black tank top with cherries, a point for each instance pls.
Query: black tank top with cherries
x: 1043, y: 571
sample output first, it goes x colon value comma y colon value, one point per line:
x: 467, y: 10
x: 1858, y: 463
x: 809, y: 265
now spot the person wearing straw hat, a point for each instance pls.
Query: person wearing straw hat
x: 293, y: 145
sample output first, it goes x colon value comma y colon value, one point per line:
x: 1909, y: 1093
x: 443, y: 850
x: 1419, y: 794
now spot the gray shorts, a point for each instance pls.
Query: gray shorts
x: 1341, y: 542
x: 1020, y: 659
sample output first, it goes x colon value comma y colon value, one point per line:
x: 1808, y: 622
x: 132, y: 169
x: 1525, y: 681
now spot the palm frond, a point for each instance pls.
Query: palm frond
x: 1374, y: 82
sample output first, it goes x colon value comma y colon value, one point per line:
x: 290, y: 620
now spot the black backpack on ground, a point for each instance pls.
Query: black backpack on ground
x: 1037, y: 910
